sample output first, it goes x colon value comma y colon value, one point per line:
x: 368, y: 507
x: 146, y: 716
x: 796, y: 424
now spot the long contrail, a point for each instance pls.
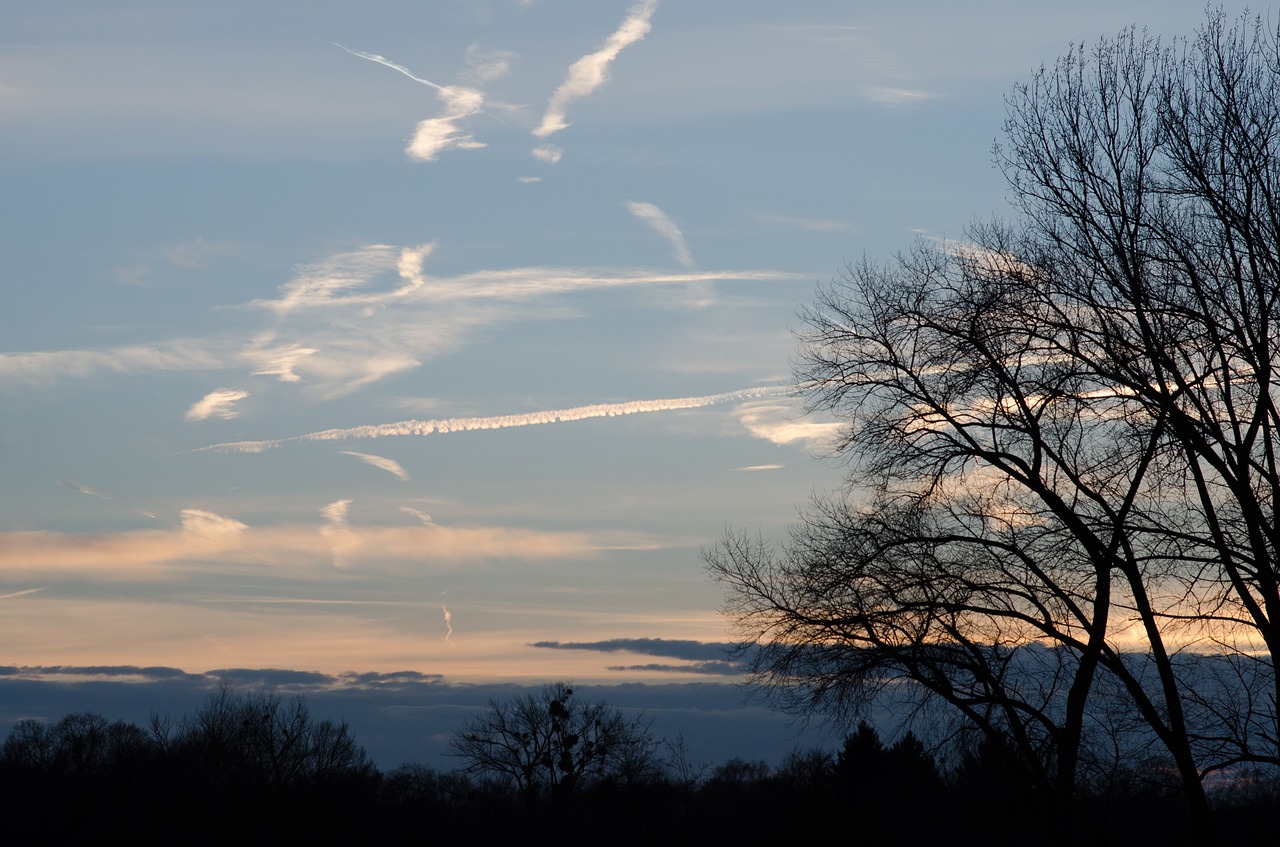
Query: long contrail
x: 383, y: 60
x: 447, y: 425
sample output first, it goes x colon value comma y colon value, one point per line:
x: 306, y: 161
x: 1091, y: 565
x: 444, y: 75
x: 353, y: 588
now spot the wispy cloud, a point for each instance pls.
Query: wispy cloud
x: 11, y: 595
x: 664, y: 226
x: 527, y: 180
x: 208, y: 524
x: 447, y: 425
x: 811, y: 224
x: 783, y: 424
x: 548, y: 153
x: 421, y: 516
x: 592, y: 71
x: 704, y: 658
x: 41, y: 368
x: 435, y: 135
x: 448, y: 624
x: 217, y: 404
x: 886, y: 95
x: 338, y: 531
x: 212, y: 540
x: 760, y: 468
x: 83, y: 489
x: 391, y: 466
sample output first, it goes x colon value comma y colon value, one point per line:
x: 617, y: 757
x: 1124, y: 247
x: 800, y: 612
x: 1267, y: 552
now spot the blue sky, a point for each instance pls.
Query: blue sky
x: 382, y: 337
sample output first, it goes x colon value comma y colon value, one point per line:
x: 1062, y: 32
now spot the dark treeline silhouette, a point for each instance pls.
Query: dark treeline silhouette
x: 251, y: 768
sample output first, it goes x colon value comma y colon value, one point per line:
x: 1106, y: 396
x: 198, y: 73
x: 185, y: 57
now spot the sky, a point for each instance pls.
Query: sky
x: 434, y: 341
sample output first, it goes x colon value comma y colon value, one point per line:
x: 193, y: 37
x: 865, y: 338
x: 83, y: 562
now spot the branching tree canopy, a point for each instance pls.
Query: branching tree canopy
x: 553, y: 742
x: 1062, y: 433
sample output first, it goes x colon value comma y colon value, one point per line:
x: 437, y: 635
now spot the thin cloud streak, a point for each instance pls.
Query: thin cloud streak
x: 592, y: 71
x: 83, y: 489
x: 448, y: 425
x: 146, y: 554
x: 664, y: 226
x: 22, y: 593
x: 382, y: 463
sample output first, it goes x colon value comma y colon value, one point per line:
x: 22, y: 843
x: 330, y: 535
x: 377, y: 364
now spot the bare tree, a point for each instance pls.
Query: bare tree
x: 551, y: 742
x: 1062, y: 432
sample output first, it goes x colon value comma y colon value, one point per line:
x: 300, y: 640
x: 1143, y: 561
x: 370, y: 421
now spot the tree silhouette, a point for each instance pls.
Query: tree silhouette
x: 1066, y: 431
x: 551, y: 743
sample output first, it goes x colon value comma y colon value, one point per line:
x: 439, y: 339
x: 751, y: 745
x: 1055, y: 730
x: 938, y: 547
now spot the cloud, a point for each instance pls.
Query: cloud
x: 526, y: 180
x: 811, y: 224
x: 707, y: 668
x: 548, y: 153
x: 760, y: 468
x: 216, y: 404
x: 891, y: 96
x: 214, y: 540
x: 663, y: 225
x: 435, y: 135
x: 422, y: 516
x: 781, y: 425
x: 705, y: 658
x: 358, y: 317
x: 39, y: 369
x: 83, y: 489
x: 22, y: 593
x: 447, y: 425
x: 484, y: 66
x: 210, y: 524
x: 391, y: 466
x: 673, y: 648
x: 337, y: 531
x: 592, y: 71
x: 448, y: 624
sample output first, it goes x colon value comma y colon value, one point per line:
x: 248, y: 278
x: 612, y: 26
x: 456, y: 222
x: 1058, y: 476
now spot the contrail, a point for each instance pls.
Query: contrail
x: 20, y: 593
x: 383, y: 60
x: 83, y: 489
x: 448, y: 425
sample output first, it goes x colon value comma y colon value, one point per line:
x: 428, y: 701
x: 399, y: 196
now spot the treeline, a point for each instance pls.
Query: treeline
x: 251, y: 768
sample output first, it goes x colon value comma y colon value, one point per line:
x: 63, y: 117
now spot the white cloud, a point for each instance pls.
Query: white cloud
x: 205, y: 523
x: 548, y: 153
x: 216, y: 404
x: 485, y: 66
x: 435, y: 135
x: 41, y: 368
x: 448, y: 425
x: 890, y: 96
x: 760, y: 468
x: 663, y: 225
x: 338, y: 533
x: 391, y: 466
x: 83, y: 489
x: 421, y: 516
x: 592, y: 71
x: 811, y: 224
x: 23, y: 593
x: 782, y: 424
x: 211, y: 539
x: 527, y: 180
x: 267, y: 359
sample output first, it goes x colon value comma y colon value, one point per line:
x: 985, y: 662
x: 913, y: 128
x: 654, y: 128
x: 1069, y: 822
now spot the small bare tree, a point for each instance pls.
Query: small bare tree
x: 551, y: 742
